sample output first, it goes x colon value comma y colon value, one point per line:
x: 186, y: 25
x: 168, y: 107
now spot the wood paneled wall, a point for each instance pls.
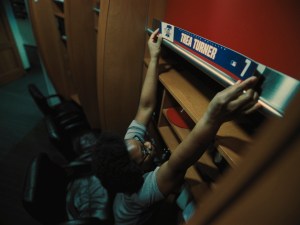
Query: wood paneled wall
x: 120, y: 61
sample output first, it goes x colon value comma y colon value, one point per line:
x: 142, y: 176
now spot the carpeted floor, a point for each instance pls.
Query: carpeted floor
x: 18, y: 112
x: 12, y: 173
x: 22, y: 136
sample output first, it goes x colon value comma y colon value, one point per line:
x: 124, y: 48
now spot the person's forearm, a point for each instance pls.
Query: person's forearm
x: 148, y: 94
x: 227, y: 104
x: 171, y: 173
x: 195, y: 144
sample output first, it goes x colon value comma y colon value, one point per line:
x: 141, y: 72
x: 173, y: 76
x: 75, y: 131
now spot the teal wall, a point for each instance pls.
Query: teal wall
x: 16, y: 33
x: 23, y: 35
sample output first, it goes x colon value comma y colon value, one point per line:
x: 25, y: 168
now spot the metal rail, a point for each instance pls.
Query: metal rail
x: 277, y: 89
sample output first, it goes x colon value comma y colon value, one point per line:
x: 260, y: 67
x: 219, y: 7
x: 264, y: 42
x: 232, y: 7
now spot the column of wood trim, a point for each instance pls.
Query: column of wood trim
x: 81, y: 45
x: 101, y: 39
x: 120, y: 59
x: 49, y: 44
x: 10, y: 57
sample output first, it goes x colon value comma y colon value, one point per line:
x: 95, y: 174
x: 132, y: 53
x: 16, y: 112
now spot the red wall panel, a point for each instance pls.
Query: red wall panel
x: 267, y: 31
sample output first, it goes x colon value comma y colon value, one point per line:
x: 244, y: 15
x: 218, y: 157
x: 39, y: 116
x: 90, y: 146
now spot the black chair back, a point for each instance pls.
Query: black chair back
x: 65, y: 120
x: 41, y: 101
x: 44, y: 193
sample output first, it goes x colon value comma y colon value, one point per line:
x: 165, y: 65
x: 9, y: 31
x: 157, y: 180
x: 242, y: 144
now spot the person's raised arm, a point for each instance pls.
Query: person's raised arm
x: 236, y: 99
x: 148, y: 94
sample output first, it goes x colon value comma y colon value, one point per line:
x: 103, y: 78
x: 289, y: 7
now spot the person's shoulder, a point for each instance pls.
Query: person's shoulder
x: 136, y: 124
x: 151, y: 173
x: 135, y: 129
x: 150, y: 188
x: 150, y: 179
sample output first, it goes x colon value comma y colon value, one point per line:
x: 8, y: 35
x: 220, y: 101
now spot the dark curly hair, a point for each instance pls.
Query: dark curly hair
x: 113, y: 166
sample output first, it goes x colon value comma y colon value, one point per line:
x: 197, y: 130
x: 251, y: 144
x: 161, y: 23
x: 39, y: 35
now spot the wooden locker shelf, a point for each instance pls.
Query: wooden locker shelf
x: 196, y: 185
x: 187, y: 92
x: 194, y: 102
x: 182, y: 134
x: 193, y: 179
x: 59, y: 14
x: 167, y: 134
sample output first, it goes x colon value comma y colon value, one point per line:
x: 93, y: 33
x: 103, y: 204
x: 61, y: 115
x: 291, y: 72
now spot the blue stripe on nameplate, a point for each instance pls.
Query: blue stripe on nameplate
x: 234, y: 62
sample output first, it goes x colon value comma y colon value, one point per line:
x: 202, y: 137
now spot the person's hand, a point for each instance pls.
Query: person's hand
x: 237, y: 99
x: 154, y: 44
